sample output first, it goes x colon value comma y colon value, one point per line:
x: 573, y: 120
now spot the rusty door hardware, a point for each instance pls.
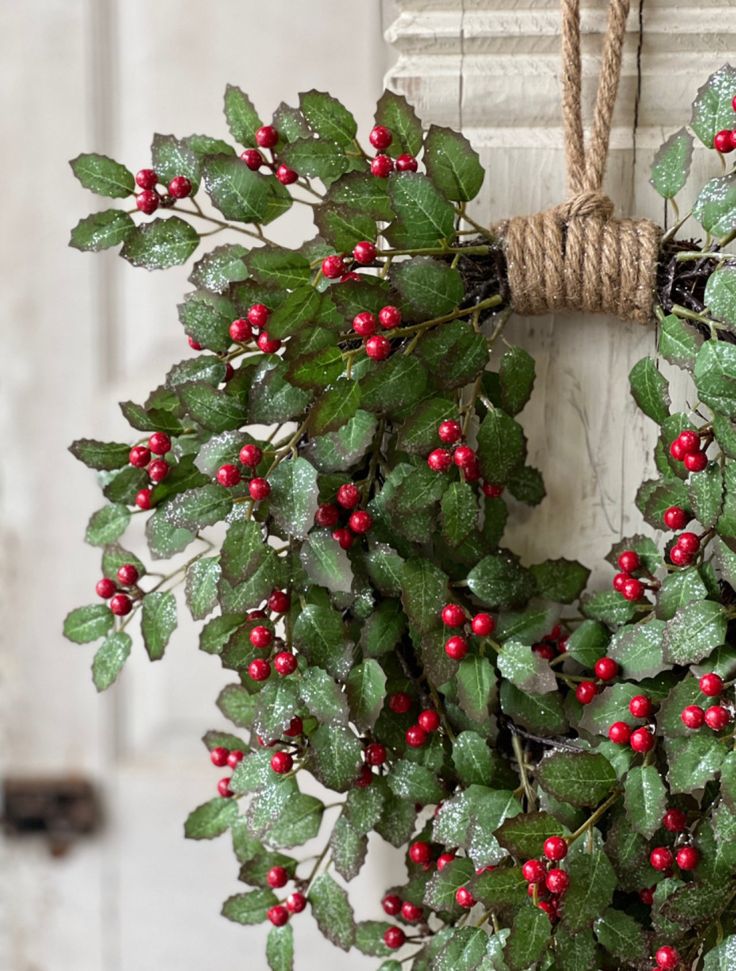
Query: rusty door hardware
x: 60, y: 809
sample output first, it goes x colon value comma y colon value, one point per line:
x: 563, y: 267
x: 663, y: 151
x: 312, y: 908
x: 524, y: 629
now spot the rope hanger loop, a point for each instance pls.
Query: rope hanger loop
x: 575, y: 256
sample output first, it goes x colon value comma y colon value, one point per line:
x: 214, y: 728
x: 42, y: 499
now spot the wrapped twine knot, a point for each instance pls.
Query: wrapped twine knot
x: 576, y: 256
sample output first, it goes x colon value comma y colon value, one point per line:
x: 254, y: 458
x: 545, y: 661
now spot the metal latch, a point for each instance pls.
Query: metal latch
x: 60, y: 809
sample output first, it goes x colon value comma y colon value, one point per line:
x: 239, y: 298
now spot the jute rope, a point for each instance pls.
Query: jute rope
x: 575, y: 256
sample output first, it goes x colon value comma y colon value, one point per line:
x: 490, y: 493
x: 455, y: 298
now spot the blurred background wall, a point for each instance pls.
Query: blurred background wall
x: 81, y: 333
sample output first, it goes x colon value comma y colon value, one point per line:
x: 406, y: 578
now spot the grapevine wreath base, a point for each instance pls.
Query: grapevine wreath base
x: 557, y: 766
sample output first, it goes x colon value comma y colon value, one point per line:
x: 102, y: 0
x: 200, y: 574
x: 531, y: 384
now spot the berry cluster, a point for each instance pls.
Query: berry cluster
x: 253, y: 326
x: 481, y: 625
x: 630, y: 587
x: 230, y: 475
x: 552, y: 644
x: 263, y: 638
x: 277, y: 878
x: 267, y: 138
x: 121, y: 602
x: 382, y: 165
x: 220, y: 756
x: 140, y: 457
x: 365, y: 324
x: 640, y: 739
x: 688, y: 449
x: 359, y: 521
x: 546, y: 884
x: 149, y: 199
x: 463, y: 456
x: 716, y: 717
x: 684, y: 549
x: 606, y: 668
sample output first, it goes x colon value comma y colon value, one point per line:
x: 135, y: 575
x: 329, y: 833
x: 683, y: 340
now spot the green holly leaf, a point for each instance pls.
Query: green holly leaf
x: 524, y: 835
x: 272, y: 398
x: 610, y: 705
x: 103, y: 176
x: 395, y: 113
x: 715, y: 206
x: 206, y: 318
x: 429, y: 287
x: 317, y: 159
x: 580, y: 778
x: 109, y: 660
x: 459, y: 513
x: 608, y: 607
x: 211, y: 819
x: 329, y: 118
x: 526, y: 669
x: 622, y: 936
x: 414, y: 782
x: 366, y: 690
x: 277, y: 705
x: 529, y: 938
x: 679, y: 341
x: 423, y: 593
x: 280, y: 948
x: 196, y: 508
x: 201, y: 586
x: 560, y: 580
x: 332, y: 911
x: 348, y: 848
x: 335, y: 407
x: 541, y: 714
x: 241, y: 116
x: 694, y: 632
x: 650, y: 390
x: 720, y: 294
x: 237, y: 705
x: 441, y: 888
x: 476, y: 682
x: 323, y: 697
x: 213, y: 409
x: 158, y: 622
x: 592, y: 882
x: 86, y: 624
x: 452, y: 164
x: 424, y: 216
x: 101, y: 230
x: 235, y: 190
x: 249, y: 908
x: 361, y: 193
x: 160, y: 244
x: 587, y: 642
x: 369, y: 940
x: 639, y: 650
x: 722, y: 956
x: 706, y: 495
x: 454, y: 354
x: 107, y: 524
x: 472, y: 759
x: 501, y: 446
x: 395, y: 386
x: 503, y: 889
x: 342, y: 227
x: 294, y: 496
x: 712, y: 109
x: 100, y: 455
x: 645, y: 798
x: 318, y: 369
x: 499, y: 581
x: 671, y: 165
x: 172, y: 157
x: 320, y: 634
x: 326, y: 563
x: 693, y: 761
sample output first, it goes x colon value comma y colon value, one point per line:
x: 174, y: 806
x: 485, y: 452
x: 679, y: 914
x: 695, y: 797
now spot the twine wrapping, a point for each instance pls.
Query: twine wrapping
x: 575, y: 256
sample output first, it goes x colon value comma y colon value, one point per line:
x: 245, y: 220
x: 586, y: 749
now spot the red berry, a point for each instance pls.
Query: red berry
x: 646, y: 895
x: 391, y: 904
x: 456, y: 647
x: 492, y: 490
x: 693, y: 716
x: 195, y: 345
x: 449, y: 432
x: 105, y: 588
x: 439, y: 460
x: 416, y: 737
x: 393, y: 937
x: 380, y: 137
x: 482, y: 625
x: 619, y: 733
x: 267, y: 136
x: 235, y: 758
x: 464, y: 898
x: 128, y: 575
x: 364, y: 253
x: 281, y: 762
x: 606, y: 668
x: 619, y: 582
x: 688, y: 542
x: 549, y: 908
x: 711, y: 685
x: 399, y: 702
x: 296, y: 902
x: 661, y: 858
x: 716, y: 717
x: 555, y: 848
x: 389, y: 317
x: 667, y: 958
x: 259, y: 489
x: 443, y: 860
x: 296, y: 727
x: 364, y: 777
x: 533, y: 871
x: 259, y: 669
x: 143, y: 499
x: 218, y: 756
x: 420, y: 852
x: 364, y: 323
x: 676, y: 451
x: 121, y: 604
x: 348, y: 495
x: 228, y: 475
x: 278, y: 915
x: 429, y: 720
x: 285, y: 175
x: 360, y: 521
x: 258, y: 315
x: 557, y: 881
x: 632, y: 589
x: 347, y: 277
x: 640, y: 706
x: 223, y: 787
x: 687, y: 857
x: 453, y: 615
x: 382, y: 166
x: 252, y: 158
x: 277, y: 877
x: 675, y: 518
x: 629, y: 561
x: 722, y: 141
x: 464, y: 456
x: 689, y: 441
x: 333, y: 267
x: 696, y: 461
x: 180, y: 187
x: 375, y: 753
x: 378, y: 347
x: 327, y: 515
x: 159, y: 443
x: 260, y: 637
x: 279, y: 602
x: 256, y: 615
x: 406, y: 163
x: 680, y: 557
x: 139, y: 456
x: 285, y: 663
x: 250, y: 456
x: 411, y: 912
x: 269, y: 345
x: 586, y: 692
x: 147, y: 201
x: 642, y: 740
x: 146, y: 179
x: 343, y: 537
x: 240, y: 330
x: 158, y: 470
x: 674, y: 821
